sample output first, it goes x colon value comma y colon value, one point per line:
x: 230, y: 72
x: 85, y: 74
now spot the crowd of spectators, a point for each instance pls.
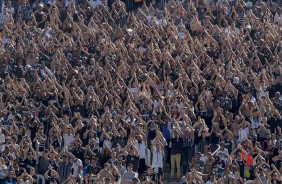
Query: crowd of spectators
x: 139, y: 91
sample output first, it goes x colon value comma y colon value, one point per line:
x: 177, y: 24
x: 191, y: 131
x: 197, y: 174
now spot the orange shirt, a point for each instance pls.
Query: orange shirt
x: 248, y: 158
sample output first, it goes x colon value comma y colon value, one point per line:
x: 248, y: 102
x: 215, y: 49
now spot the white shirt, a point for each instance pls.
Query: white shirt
x: 24, y: 182
x: 13, y: 155
x: 203, y: 158
x: 141, y: 147
x: 255, y: 123
x: 249, y: 4
x: 161, y: 22
x: 2, y: 173
x: 133, y: 91
x: 181, y: 35
x: 157, y: 159
x: 9, y: 10
x: 68, y: 139
x: 10, y: 117
x: 95, y: 4
x: 243, y: 132
x: 75, y: 166
x: 156, y: 104
x: 67, y: 2
x: 221, y: 154
x: 108, y: 143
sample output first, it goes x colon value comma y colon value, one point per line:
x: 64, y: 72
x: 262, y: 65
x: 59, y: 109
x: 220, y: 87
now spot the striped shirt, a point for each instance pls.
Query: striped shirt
x: 188, y: 142
x: 241, y: 16
x: 64, y: 170
x: 225, y: 102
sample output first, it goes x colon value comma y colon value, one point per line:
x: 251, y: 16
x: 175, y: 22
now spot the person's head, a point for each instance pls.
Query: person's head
x: 277, y: 144
x: 149, y: 170
x: 131, y: 151
x: 94, y: 161
x: 10, y: 174
x: 107, y: 180
x: 40, y: 129
x: 209, y: 155
x: 135, y: 180
x: 45, y: 153
x: 40, y: 6
x: 119, y: 163
x: 25, y: 177
x: 275, y: 176
x: 176, y: 134
x: 32, y: 171
x: 277, y: 94
x: 154, y: 116
x: 87, y: 160
x: 139, y: 138
x: 222, y: 145
x: 198, y: 156
x: 113, y: 155
x: 238, y: 156
x: 52, y: 154
x: 107, y: 166
x: 8, y: 4
x: 25, y: 145
x: 53, y: 173
x: 129, y: 167
x: 64, y: 157
x: 24, y: 2
x: 30, y: 156
x: 268, y: 136
x: 187, y: 131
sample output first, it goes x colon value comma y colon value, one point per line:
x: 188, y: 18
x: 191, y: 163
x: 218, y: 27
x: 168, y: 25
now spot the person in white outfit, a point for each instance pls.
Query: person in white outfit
x: 158, y: 158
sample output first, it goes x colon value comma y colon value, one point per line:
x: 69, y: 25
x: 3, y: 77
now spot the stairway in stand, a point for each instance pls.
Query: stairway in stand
x: 167, y: 179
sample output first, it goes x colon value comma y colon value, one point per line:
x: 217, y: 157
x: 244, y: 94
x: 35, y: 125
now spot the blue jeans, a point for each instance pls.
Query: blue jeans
x: 187, y: 155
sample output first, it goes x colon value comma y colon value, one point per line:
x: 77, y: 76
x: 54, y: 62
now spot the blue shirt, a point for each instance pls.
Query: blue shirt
x: 86, y: 169
x: 11, y: 181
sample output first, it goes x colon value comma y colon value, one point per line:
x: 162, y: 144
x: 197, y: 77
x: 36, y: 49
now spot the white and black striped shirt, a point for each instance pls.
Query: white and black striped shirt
x: 225, y: 102
x: 188, y: 142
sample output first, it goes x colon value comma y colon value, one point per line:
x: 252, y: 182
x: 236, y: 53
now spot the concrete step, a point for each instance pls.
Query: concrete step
x: 167, y: 179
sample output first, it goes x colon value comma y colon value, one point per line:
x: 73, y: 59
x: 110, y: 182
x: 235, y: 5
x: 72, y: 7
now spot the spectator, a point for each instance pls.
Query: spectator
x: 176, y: 147
x: 98, y: 91
x: 128, y: 176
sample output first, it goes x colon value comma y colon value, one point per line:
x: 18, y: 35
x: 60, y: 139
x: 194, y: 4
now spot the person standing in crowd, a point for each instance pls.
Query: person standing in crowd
x: 64, y: 167
x: 176, y: 149
x: 119, y: 91
x: 158, y: 158
x: 188, y: 148
x: 128, y: 175
x: 141, y: 148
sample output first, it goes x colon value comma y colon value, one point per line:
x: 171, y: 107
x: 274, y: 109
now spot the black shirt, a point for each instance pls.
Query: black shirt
x: 78, y: 153
x: 153, y: 177
x: 132, y: 160
x: 241, y: 164
x: 93, y: 170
